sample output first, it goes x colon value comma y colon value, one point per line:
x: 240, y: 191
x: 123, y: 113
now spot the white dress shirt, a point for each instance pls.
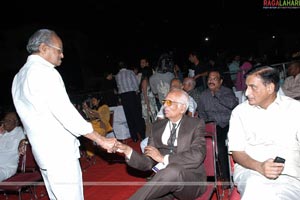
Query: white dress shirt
x: 51, y: 121
x: 267, y: 133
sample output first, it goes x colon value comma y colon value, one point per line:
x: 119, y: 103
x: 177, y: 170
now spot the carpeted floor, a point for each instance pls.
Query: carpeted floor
x: 105, y: 176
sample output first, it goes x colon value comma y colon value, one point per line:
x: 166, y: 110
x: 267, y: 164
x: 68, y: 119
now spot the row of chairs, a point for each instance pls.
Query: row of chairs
x: 26, y: 177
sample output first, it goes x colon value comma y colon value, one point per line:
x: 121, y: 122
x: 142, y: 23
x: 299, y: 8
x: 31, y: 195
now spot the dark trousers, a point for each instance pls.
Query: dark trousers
x: 132, y: 106
x: 168, y: 184
x: 223, y: 161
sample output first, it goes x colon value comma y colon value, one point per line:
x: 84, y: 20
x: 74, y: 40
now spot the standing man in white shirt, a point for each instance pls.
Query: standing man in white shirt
x: 51, y: 121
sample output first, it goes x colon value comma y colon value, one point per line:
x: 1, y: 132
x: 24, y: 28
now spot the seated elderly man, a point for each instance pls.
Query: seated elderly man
x: 263, y: 127
x: 175, y: 151
x: 9, y: 142
x: 291, y: 85
x: 192, y: 106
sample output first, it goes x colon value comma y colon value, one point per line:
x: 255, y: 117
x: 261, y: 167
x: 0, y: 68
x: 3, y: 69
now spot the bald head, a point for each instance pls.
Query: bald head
x: 11, y: 121
x: 176, y: 83
x: 176, y: 104
x: 189, y: 84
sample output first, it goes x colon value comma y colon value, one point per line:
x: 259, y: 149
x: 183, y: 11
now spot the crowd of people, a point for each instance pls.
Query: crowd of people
x: 166, y: 111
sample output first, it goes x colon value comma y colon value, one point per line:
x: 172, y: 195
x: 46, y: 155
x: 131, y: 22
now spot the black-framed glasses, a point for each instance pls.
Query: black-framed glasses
x: 170, y: 102
x: 55, y: 47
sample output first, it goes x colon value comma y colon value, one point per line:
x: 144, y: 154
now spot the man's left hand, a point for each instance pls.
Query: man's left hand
x: 153, y: 153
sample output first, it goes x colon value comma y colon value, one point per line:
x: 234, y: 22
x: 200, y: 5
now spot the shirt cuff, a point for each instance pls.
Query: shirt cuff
x: 166, y: 160
x: 129, y: 155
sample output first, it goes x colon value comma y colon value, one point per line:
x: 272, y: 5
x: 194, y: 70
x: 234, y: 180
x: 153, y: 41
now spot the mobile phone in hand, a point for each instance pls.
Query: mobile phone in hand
x: 279, y: 160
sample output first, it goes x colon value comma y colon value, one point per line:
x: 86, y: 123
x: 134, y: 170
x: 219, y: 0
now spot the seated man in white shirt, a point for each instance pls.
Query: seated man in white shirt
x: 9, y: 142
x: 263, y: 127
x: 291, y: 85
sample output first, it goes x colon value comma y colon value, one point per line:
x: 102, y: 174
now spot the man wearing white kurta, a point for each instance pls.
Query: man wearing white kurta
x: 261, y: 128
x: 51, y: 121
x: 9, y: 142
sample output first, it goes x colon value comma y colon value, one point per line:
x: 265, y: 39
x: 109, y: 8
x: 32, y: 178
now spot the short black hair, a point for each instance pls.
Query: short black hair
x: 267, y: 73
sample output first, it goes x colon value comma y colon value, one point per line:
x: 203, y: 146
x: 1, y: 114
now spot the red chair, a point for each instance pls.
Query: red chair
x: 234, y: 194
x: 27, y: 176
x: 211, y: 128
x: 210, y: 167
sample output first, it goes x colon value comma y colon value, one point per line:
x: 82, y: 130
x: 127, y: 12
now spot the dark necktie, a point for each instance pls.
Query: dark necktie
x: 172, y: 138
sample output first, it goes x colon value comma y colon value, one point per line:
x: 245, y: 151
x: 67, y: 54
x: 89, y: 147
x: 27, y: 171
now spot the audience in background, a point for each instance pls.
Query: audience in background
x: 149, y: 107
x: 110, y: 89
x: 246, y: 65
x: 234, y: 67
x: 98, y: 114
x: 160, y: 80
x: 128, y: 88
x: 199, y: 71
x: 10, y: 136
x: 189, y: 85
x: 291, y: 85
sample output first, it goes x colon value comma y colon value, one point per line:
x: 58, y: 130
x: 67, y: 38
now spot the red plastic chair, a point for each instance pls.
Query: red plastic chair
x: 27, y: 176
x: 210, y: 167
x: 211, y: 128
x: 234, y: 194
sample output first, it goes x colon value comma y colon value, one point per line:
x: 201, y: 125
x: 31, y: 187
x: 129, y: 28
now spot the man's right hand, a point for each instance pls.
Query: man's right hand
x: 108, y: 143
x: 271, y: 169
x: 123, y: 148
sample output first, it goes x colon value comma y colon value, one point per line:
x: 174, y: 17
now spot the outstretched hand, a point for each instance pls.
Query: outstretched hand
x: 123, y: 148
x: 109, y: 144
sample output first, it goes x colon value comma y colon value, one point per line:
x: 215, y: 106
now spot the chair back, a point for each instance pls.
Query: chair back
x: 210, y: 158
x: 21, y: 163
x: 210, y: 168
x: 211, y: 127
x: 30, y: 163
x: 27, y: 162
x: 234, y: 194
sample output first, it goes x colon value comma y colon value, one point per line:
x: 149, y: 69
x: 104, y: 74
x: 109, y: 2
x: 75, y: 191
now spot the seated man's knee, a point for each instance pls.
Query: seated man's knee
x: 173, y: 172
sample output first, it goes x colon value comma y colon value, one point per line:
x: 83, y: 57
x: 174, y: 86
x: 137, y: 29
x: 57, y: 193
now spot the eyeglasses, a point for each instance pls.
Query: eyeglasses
x: 170, y: 102
x: 213, y: 79
x: 57, y: 48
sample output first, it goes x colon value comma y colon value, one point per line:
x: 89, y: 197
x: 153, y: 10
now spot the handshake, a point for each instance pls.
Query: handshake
x: 112, y: 145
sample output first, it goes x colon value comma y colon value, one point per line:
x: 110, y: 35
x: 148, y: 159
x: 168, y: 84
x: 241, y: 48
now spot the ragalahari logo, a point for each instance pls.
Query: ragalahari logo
x: 281, y: 4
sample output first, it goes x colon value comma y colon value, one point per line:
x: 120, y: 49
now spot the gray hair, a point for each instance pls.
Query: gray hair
x: 39, y: 37
x: 183, y: 98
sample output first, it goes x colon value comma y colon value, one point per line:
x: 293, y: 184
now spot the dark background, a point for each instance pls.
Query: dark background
x: 97, y: 35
